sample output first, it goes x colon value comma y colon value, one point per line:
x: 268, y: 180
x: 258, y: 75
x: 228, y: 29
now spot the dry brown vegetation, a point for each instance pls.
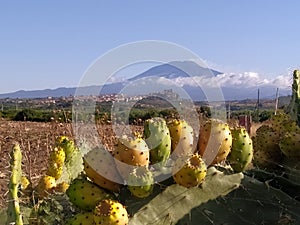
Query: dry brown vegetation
x: 36, y: 140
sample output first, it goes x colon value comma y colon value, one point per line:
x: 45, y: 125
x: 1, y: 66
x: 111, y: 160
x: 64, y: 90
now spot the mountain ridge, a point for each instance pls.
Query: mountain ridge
x: 177, y: 70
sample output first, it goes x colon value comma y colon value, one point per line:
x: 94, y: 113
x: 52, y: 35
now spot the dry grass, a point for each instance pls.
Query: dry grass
x: 36, y: 141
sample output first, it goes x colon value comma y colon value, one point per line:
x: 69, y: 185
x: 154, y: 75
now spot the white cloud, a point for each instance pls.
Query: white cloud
x: 246, y: 80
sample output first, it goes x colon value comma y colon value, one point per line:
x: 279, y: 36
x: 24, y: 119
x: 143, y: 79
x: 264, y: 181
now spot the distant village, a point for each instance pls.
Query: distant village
x: 66, y: 103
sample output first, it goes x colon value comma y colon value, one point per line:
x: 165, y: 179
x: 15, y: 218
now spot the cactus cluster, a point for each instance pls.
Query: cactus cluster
x: 96, y: 182
x: 275, y: 141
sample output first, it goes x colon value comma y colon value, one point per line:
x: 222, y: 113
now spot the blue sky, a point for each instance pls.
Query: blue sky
x: 49, y: 44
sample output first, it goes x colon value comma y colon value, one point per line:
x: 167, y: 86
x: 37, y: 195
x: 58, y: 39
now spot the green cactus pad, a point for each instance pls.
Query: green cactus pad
x: 290, y: 145
x: 13, y: 211
x: 267, y: 153
x: 176, y: 201
x: 158, y: 139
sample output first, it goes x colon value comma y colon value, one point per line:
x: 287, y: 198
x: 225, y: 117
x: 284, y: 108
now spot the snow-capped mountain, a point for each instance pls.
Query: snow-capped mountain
x: 187, y: 77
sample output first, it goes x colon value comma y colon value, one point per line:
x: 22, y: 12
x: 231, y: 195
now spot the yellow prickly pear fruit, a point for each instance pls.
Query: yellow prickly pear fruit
x: 215, y: 141
x: 130, y: 152
x: 189, y: 172
x: 182, y: 138
x: 110, y: 212
x: 54, y: 170
x: 24, y: 183
x: 58, y: 156
x: 45, y: 186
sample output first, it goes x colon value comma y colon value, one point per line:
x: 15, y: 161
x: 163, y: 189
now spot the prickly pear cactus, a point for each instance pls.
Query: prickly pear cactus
x: 45, y: 186
x: 294, y: 106
x: 158, y: 139
x: 290, y: 145
x: 129, y: 153
x: 85, y: 195
x: 73, y: 163
x: 267, y: 152
x: 84, y: 218
x: 140, y: 182
x: 99, y: 166
x: 190, y: 171
x: 14, y: 215
x: 177, y: 201
x: 215, y: 141
x: 241, y: 153
x: 182, y: 138
x: 110, y: 212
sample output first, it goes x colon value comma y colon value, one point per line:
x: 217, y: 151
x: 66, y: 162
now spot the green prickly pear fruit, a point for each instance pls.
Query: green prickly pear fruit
x: 189, y: 172
x: 100, y: 168
x: 85, y: 195
x: 129, y: 153
x: 110, y: 212
x: 241, y: 153
x: 85, y: 218
x: 182, y: 138
x: 140, y: 182
x: 158, y: 139
x: 46, y: 185
x: 267, y: 153
x: 290, y: 145
x: 215, y: 141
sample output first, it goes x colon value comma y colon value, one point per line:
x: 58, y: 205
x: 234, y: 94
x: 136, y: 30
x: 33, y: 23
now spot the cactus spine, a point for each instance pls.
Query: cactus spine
x: 13, y: 212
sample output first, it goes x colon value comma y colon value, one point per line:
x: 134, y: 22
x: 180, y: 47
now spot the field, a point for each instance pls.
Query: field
x: 36, y: 140
x: 256, y: 190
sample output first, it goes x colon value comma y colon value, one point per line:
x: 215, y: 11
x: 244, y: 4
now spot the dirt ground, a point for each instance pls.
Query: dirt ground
x: 36, y: 141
